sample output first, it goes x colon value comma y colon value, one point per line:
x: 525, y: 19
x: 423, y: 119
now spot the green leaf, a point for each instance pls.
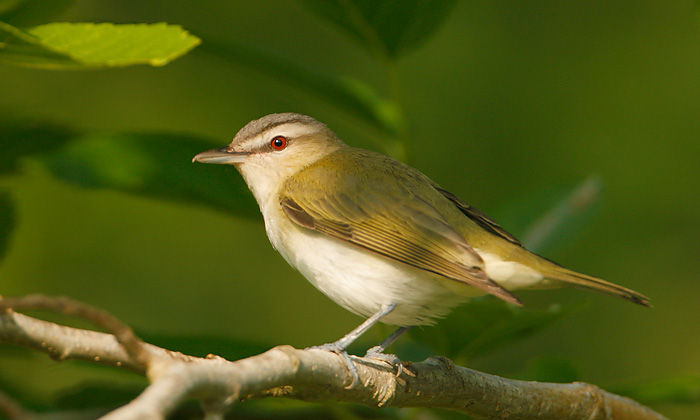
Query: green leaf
x: 385, y: 27
x: 24, y: 138
x: 7, y: 221
x: 351, y: 94
x: 483, y: 325
x: 90, y: 45
x: 681, y: 389
x: 155, y: 165
x: 31, y: 12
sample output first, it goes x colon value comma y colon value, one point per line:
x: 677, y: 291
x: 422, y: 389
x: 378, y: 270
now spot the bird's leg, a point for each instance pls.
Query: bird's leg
x: 340, y: 347
x: 353, y: 335
x: 381, y: 348
x: 377, y: 352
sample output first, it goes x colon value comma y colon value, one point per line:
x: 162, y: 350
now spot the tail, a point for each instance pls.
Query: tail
x: 587, y: 282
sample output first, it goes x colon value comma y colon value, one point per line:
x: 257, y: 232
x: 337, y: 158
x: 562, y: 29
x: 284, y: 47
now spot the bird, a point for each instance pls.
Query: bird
x: 377, y: 236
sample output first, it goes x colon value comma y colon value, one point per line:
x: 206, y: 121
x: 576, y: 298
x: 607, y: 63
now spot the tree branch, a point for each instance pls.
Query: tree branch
x: 311, y: 375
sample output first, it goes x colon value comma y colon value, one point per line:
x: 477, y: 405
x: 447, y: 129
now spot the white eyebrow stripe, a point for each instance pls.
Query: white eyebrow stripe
x: 290, y: 130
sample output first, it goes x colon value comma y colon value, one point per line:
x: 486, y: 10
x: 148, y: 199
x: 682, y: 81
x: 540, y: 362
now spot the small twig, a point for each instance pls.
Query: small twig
x: 67, y: 306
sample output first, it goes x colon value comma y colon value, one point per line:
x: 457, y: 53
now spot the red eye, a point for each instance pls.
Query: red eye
x: 279, y: 143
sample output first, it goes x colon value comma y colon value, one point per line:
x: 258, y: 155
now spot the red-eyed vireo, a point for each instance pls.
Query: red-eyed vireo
x: 377, y: 236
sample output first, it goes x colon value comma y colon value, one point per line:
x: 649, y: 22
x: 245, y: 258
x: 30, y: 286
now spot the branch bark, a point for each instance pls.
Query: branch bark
x: 310, y: 375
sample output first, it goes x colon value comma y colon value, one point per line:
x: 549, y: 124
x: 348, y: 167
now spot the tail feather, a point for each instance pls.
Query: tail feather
x: 587, y: 282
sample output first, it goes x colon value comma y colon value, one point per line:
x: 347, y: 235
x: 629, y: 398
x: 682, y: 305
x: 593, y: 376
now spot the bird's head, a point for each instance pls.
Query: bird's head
x: 269, y: 150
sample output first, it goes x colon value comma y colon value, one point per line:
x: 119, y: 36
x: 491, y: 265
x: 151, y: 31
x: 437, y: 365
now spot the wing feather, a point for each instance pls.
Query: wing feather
x: 428, y: 244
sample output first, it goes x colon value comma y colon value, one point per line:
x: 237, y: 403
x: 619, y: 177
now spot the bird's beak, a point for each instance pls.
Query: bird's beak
x: 225, y: 155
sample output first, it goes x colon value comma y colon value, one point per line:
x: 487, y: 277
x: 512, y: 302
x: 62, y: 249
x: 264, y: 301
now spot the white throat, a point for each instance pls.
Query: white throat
x: 262, y: 183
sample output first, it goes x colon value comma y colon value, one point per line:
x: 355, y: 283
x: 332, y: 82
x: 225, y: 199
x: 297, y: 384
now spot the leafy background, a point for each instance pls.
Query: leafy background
x: 575, y: 124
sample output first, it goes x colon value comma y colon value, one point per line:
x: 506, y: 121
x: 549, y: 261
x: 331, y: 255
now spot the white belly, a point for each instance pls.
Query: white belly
x: 361, y: 281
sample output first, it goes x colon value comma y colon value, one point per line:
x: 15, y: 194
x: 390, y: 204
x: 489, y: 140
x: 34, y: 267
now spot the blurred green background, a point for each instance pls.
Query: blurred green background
x: 508, y: 105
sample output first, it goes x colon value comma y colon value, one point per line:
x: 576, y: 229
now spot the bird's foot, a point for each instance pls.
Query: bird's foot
x: 340, y: 351
x: 377, y: 353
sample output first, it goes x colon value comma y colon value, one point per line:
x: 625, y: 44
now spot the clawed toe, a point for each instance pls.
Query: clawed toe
x: 340, y: 351
x: 377, y: 353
